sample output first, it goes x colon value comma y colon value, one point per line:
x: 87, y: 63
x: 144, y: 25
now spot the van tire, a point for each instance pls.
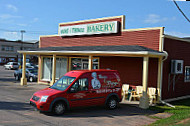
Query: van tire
x: 59, y: 108
x: 112, y: 103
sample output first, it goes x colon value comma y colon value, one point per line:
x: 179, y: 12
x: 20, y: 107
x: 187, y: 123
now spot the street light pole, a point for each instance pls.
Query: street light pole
x: 22, y: 32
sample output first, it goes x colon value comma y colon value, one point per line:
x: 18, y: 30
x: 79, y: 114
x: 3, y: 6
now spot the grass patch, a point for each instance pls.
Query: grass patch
x: 181, y: 112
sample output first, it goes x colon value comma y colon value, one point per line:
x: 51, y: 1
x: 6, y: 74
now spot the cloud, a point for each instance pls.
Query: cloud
x: 17, y: 36
x: 12, y: 7
x: 35, y: 20
x: 178, y: 34
x: 23, y: 25
x: 11, y: 35
x: 8, y: 16
x: 154, y: 18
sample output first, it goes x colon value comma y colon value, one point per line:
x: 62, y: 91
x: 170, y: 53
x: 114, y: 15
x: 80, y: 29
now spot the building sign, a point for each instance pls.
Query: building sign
x: 89, y: 29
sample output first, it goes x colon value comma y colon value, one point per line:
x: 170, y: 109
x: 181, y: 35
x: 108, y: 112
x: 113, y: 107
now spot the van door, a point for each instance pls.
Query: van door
x: 79, y: 94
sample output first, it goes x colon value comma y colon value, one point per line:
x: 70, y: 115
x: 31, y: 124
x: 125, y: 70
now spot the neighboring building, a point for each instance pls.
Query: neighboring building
x: 142, y: 56
x: 9, y: 48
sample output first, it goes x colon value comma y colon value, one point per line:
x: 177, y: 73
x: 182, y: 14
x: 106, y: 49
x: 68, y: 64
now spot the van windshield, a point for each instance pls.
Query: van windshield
x: 63, y: 83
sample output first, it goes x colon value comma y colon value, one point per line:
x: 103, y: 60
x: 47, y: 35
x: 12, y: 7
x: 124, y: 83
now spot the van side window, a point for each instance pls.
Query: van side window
x: 81, y: 85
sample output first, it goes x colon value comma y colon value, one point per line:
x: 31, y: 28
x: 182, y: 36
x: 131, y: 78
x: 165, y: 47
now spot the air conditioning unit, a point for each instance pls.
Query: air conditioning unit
x: 176, y: 66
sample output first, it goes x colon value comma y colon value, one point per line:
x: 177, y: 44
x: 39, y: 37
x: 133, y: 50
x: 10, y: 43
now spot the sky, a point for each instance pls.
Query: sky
x: 41, y: 17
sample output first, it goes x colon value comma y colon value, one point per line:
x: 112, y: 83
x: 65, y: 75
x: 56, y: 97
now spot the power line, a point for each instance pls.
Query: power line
x: 9, y: 30
x: 181, y: 11
x: 28, y: 32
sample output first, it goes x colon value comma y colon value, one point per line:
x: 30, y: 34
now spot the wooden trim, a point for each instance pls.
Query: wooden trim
x: 49, y: 35
x: 90, y: 62
x: 53, y: 69
x: 123, y: 23
x: 144, y: 100
x: 70, y: 63
x: 145, y: 74
x: 161, y: 41
x: 97, y: 53
x: 90, y: 20
x: 44, y: 82
x: 39, y: 68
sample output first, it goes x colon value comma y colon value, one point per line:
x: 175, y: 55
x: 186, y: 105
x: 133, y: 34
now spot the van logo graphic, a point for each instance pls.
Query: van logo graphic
x: 95, y: 82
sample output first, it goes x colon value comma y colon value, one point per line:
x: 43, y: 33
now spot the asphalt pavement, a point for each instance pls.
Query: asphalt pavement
x: 16, y: 111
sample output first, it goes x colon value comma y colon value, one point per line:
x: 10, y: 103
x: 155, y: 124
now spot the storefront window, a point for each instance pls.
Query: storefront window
x: 47, y: 69
x: 187, y: 73
x: 61, y: 67
x: 82, y: 63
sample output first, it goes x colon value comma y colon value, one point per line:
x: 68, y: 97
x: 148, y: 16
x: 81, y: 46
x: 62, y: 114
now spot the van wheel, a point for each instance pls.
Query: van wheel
x: 59, y: 108
x: 112, y: 103
x: 31, y: 79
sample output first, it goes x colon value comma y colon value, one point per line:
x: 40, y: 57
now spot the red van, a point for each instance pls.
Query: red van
x: 80, y: 88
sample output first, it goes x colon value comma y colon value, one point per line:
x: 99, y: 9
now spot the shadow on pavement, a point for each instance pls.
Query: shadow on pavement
x: 8, y: 80
x: 15, y: 106
x: 99, y: 111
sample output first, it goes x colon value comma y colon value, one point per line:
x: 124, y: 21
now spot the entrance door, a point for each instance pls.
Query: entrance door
x: 84, y: 66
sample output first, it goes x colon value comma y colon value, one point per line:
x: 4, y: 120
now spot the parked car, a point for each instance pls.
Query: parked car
x: 11, y: 65
x: 31, y: 65
x: 31, y: 74
x: 78, y: 89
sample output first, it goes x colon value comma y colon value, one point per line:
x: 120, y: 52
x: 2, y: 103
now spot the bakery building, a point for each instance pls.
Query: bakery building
x: 144, y: 56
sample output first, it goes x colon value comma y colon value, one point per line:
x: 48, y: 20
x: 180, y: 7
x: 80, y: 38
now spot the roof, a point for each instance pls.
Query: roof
x: 119, y: 50
x: 19, y: 41
x: 97, y: 48
x: 186, y: 39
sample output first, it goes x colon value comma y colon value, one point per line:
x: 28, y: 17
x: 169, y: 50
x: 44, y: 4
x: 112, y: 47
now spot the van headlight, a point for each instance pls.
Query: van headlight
x: 43, y: 99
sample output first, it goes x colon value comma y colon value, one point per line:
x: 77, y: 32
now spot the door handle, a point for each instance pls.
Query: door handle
x: 87, y: 92
x: 93, y: 91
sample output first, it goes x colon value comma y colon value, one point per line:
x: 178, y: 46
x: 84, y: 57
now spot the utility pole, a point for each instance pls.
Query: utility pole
x: 22, y: 32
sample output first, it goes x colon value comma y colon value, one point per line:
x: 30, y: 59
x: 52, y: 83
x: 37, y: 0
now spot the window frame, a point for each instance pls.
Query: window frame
x: 82, y: 59
x: 185, y: 80
x: 78, y: 83
x: 7, y: 48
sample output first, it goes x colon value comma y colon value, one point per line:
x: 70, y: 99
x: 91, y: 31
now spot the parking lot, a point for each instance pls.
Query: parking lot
x: 15, y: 109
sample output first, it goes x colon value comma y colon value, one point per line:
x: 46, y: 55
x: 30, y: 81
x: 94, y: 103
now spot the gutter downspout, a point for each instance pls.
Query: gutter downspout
x: 163, y: 102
